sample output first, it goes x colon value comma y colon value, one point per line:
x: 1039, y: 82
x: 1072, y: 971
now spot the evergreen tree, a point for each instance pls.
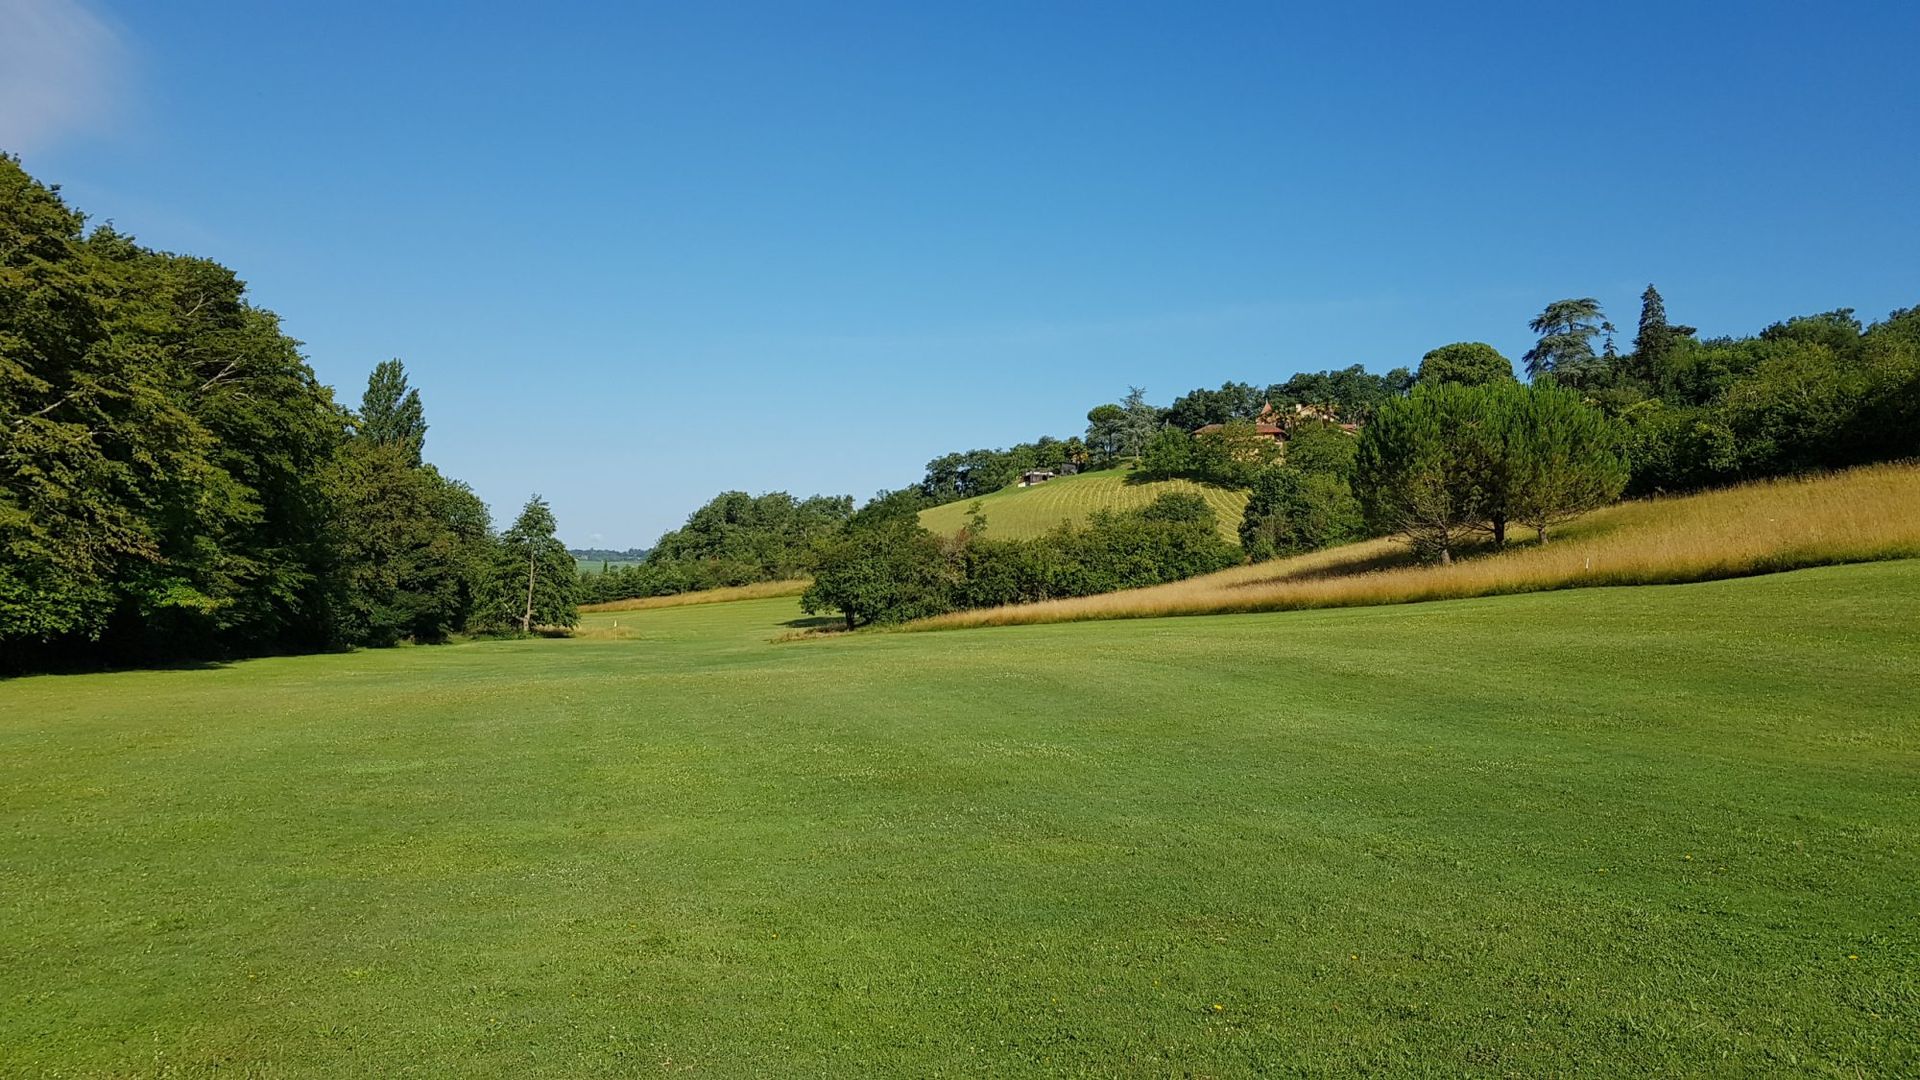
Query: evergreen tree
x: 391, y: 413
x: 1656, y: 337
x: 1565, y: 348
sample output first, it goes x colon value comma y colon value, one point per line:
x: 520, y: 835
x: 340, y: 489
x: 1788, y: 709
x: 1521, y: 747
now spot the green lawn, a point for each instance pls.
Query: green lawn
x: 1020, y: 513
x: 1608, y: 832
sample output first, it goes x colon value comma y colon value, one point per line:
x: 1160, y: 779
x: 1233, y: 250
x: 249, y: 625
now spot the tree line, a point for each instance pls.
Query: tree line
x: 175, y: 482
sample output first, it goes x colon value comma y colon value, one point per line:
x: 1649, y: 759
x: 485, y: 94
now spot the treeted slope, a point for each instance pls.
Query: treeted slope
x: 1859, y: 515
x: 1021, y: 513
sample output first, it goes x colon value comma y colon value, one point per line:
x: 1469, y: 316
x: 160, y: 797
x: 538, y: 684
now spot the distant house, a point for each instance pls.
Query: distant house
x: 1279, y: 426
x: 1272, y: 431
x: 1036, y: 476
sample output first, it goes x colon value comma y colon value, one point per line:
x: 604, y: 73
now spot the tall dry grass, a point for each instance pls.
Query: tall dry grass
x: 763, y: 590
x: 1860, y: 515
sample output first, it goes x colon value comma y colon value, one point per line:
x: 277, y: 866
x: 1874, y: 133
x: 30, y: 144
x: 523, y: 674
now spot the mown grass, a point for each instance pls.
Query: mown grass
x: 762, y: 590
x: 1023, y: 513
x: 1661, y: 831
x: 1856, y: 516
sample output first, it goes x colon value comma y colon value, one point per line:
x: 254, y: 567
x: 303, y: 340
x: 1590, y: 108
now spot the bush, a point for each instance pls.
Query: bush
x: 1291, y: 511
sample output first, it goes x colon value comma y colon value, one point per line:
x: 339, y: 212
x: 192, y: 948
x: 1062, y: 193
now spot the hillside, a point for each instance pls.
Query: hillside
x: 1620, y: 832
x: 1019, y: 513
x: 1859, y: 515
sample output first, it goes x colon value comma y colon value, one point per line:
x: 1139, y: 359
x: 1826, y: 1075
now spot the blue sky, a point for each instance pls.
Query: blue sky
x: 634, y: 255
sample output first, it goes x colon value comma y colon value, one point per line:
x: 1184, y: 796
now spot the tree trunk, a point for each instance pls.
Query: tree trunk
x: 1541, y: 530
x: 1446, y: 555
x: 526, y: 620
x: 849, y: 620
x: 1500, y: 532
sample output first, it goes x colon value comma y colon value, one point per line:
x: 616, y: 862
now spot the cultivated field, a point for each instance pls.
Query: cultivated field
x: 1019, y: 513
x: 1855, y: 516
x: 1666, y: 830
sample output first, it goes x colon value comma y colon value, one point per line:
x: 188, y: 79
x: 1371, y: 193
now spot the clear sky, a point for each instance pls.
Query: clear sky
x: 636, y: 254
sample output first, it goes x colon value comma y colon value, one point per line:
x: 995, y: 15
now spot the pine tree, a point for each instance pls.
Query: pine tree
x: 1656, y: 337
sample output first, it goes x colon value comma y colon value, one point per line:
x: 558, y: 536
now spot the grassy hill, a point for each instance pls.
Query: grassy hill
x: 1638, y: 831
x: 1019, y: 513
x: 1859, y: 515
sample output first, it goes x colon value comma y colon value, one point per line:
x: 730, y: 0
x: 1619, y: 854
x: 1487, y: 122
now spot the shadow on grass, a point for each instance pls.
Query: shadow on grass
x: 814, y: 622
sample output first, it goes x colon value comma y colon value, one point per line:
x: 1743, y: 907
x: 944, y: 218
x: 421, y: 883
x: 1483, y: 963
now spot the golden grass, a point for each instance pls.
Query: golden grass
x: 1860, y: 515
x: 763, y: 590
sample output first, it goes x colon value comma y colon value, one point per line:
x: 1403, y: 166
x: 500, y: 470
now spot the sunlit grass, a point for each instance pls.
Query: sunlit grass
x: 1857, y: 516
x: 762, y: 590
x: 1017, y: 513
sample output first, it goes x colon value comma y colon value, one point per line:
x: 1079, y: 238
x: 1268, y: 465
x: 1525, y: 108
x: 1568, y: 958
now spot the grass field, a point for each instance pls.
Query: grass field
x: 1859, y: 515
x: 1021, y: 513
x: 763, y: 590
x: 1665, y: 830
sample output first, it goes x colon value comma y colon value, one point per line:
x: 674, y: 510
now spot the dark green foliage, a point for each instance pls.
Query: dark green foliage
x: 737, y: 539
x: 411, y: 547
x: 391, y: 413
x: 531, y: 580
x: 1170, y: 539
x: 1565, y: 349
x: 174, y: 481
x: 1552, y: 458
x: 1419, y: 468
x: 1813, y: 392
x: 1198, y: 408
x: 887, y: 571
x: 1470, y: 363
x: 1656, y: 337
x: 1291, y: 510
x: 163, y: 444
x: 1320, y: 447
x: 1449, y: 460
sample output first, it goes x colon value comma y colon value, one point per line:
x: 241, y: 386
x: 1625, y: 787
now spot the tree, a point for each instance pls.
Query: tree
x: 1469, y: 363
x: 407, y: 544
x: 1556, y: 458
x: 391, y: 413
x: 534, y: 580
x: 889, y: 571
x: 1565, y: 349
x: 1105, y: 426
x: 1319, y: 447
x: 1291, y: 510
x: 1420, y: 467
x: 1656, y: 337
x: 1138, y: 424
x: 1231, y: 454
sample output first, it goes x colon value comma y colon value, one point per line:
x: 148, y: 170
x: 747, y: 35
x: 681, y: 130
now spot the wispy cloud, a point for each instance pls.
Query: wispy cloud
x: 60, y: 69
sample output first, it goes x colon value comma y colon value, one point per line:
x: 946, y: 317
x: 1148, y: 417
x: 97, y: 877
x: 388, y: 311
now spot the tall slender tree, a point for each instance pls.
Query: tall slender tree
x: 1656, y: 337
x: 391, y: 413
x: 535, y: 580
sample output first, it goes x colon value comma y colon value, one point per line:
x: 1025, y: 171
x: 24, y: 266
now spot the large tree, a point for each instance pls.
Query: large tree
x: 408, y: 544
x: 1421, y: 465
x: 1556, y: 458
x: 1469, y: 363
x: 534, y: 578
x: 1565, y: 349
x: 391, y: 413
x: 1656, y: 337
x: 881, y: 571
